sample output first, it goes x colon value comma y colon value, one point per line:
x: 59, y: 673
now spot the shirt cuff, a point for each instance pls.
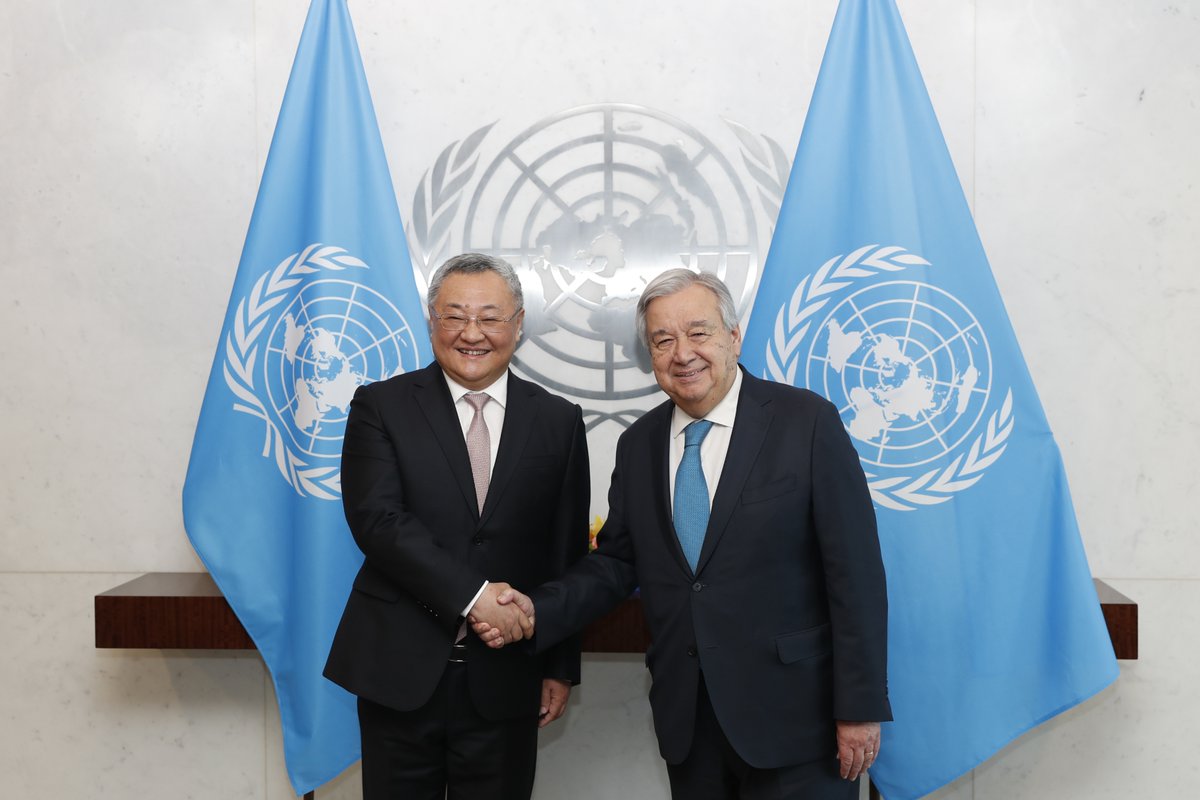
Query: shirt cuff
x: 474, y: 600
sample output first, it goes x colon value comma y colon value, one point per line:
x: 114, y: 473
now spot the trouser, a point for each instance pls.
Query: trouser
x: 445, y: 749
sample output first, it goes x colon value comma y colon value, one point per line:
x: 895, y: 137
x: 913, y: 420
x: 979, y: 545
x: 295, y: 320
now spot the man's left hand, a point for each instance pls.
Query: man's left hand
x: 554, y: 700
x: 858, y: 747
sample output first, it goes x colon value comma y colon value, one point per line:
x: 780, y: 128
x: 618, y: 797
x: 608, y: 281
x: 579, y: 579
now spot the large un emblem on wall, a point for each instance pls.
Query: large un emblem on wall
x: 588, y: 205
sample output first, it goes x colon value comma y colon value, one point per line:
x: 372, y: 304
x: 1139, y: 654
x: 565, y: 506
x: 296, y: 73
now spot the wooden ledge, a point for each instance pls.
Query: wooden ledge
x: 184, y: 610
x: 1121, y: 616
x: 169, y: 610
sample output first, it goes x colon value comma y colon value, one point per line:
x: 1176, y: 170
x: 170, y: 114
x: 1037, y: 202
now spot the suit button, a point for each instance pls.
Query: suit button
x: 697, y: 586
x: 477, y: 541
x: 691, y: 651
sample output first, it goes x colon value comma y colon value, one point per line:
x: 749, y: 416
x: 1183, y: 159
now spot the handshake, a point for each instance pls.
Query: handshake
x: 502, y: 615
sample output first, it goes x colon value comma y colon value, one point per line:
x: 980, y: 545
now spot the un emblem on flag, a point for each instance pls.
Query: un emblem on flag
x: 909, y: 368
x: 302, y: 342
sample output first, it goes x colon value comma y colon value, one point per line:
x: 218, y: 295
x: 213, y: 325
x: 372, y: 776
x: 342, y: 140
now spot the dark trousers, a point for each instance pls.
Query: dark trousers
x: 445, y: 749
x: 714, y: 771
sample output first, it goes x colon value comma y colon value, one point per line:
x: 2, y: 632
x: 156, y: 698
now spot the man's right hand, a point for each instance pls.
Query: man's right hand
x: 506, y: 599
x: 501, y: 616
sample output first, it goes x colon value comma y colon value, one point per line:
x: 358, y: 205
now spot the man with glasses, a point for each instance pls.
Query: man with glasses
x: 458, y: 480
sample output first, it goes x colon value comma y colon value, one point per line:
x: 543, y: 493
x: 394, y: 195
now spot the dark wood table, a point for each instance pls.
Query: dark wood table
x: 185, y: 610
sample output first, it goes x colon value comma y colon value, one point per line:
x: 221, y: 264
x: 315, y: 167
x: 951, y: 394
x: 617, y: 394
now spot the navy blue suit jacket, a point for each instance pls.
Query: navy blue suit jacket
x: 786, y: 612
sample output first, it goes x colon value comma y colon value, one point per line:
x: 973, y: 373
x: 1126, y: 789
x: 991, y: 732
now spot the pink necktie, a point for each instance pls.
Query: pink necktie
x: 479, y: 446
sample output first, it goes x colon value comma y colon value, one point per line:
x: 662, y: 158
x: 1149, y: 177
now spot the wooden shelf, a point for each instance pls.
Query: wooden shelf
x: 169, y: 610
x: 184, y: 610
x: 1121, y: 616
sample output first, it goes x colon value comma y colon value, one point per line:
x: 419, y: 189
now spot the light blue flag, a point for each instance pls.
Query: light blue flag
x: 323, y: 301
x: 877, y: 294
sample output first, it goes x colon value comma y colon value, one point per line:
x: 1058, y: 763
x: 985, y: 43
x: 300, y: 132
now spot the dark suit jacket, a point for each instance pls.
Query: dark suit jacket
x: 787, y: 611
x: 410, y: 501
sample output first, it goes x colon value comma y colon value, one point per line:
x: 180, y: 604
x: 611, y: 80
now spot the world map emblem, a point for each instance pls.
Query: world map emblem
x: 909, y: 367
x: 588, y: 205
x: 303, y: 341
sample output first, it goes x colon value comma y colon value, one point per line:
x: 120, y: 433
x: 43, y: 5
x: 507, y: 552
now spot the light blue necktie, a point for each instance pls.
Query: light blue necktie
x: 691, y: 493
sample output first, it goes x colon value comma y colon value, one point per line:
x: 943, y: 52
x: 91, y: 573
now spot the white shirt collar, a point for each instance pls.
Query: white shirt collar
x: 723, y: 413
x: 498, y: 390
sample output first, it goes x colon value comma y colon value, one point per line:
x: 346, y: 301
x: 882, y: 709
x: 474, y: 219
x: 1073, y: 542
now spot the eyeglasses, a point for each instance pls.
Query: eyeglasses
x: 488, y: 324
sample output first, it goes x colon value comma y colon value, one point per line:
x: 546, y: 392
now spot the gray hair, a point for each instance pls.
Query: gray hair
x: 473, y: 264
x: 674, y: 281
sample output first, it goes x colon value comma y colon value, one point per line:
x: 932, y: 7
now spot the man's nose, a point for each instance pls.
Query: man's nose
x: 684, y: 352
x: 473, y: 332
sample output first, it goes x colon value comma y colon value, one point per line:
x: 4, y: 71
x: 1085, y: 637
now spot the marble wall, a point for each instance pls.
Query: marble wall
x: 132, y: 136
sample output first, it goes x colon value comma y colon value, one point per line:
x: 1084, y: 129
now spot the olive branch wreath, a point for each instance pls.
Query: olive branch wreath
x: 792, y: 324
x: 241, y: 355
x: 438, y: 195
x: 768, y: 164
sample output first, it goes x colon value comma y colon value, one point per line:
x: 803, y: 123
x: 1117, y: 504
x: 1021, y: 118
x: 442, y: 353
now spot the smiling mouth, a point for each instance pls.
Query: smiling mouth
x: 689, y: 374
x: 468, y: 352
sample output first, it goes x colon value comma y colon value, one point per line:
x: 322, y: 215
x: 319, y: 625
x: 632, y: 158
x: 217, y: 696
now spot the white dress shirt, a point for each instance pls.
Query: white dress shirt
x: 493, y: 415
x: 715, y: 446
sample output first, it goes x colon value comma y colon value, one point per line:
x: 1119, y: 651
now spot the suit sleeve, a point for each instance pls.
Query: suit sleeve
x: 570, y: 544
x: 394, y: 541
x: 845, y: 524
x: 594, y: 585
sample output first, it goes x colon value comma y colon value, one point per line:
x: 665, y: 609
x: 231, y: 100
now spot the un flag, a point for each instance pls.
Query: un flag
x: 323, y: 301
x: 877, y: 293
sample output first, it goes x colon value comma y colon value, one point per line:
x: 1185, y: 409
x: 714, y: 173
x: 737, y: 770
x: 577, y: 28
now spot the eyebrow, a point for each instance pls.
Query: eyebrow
x: 696, y: 323
x: 481, y: 308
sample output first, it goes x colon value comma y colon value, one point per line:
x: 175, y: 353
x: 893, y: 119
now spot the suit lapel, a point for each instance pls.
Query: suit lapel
x: 749, y: 432
x: 518, y: 423
x: 433, y: 397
